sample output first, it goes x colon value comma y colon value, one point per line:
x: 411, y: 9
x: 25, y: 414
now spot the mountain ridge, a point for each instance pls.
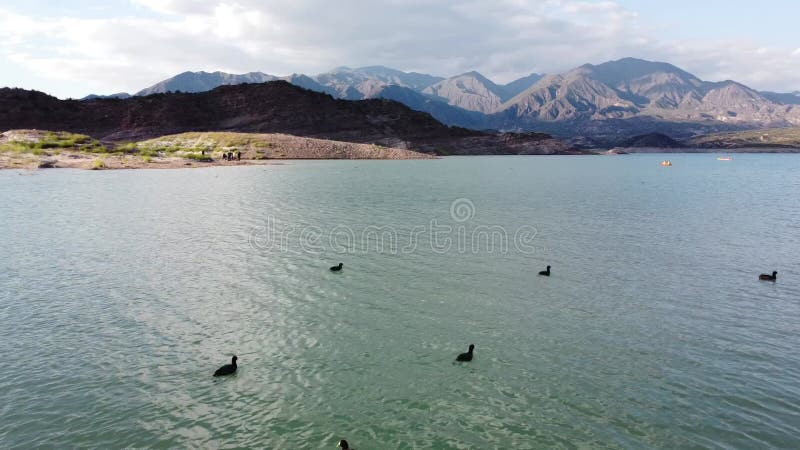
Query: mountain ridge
x: 608, y: 102
x: 204, y: 81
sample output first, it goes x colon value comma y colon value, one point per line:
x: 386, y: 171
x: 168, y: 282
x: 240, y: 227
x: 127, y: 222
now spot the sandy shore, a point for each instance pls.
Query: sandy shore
x: 76, y: 160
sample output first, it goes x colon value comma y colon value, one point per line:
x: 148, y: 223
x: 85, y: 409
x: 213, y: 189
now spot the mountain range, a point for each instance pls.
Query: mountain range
x: 597, y: 105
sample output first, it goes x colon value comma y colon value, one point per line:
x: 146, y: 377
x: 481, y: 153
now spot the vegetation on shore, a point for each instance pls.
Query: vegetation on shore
x: 44, y: 149
x: 41, y: 142
x: 260, y: 146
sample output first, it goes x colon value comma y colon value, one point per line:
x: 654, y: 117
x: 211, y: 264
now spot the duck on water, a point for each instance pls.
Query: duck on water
x: 545, y: 273
x: 337, y: 268
x: 227, y: 369
x: 767, y: 277
x: 466, y: 356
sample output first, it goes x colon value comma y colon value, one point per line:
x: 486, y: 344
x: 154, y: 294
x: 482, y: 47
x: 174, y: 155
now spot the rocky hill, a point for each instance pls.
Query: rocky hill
x: 776, y: 138
x: 274, y: 107
x: 651, y: 140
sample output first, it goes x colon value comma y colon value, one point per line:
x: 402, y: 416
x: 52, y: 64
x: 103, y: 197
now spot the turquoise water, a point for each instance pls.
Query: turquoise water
x: 122, y: 291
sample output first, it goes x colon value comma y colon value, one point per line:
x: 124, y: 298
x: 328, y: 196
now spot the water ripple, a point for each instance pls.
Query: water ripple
x: 121, y: 292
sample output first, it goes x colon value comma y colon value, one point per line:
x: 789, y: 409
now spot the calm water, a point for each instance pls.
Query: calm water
x: 121, y: 292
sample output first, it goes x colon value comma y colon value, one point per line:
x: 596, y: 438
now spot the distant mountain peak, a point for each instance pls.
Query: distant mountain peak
x: 470, y: 90
x: 202, y: 81
x: 378, y: 68
x: 635, y: 67
x: 632, y: 60
x: 363, y: 82
x: 477, y: 75
x: 118, y: 95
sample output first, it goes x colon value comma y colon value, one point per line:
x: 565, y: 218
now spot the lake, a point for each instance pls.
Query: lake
x: 122, y: 291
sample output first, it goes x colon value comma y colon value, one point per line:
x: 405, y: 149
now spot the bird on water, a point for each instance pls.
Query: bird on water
x: 344, y: 445
x: 466, y: 356
x: 227, y: 369
x: 545, y: 273
x: 767, y: 277
x: 337, y: 268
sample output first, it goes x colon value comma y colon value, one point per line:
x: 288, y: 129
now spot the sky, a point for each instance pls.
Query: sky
x: 71, y: 48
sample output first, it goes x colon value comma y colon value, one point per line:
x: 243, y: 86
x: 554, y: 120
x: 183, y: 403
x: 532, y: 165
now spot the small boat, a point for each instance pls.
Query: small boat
x: 666, y: 162
x: 724, y: 158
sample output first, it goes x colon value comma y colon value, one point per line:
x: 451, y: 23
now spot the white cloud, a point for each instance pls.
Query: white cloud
x: 757, y: 66
x: 179, y: 7
x: 503, y: 39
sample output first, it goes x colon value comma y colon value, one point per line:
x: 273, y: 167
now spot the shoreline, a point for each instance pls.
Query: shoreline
x: 699, y: 150
x: 40, y: 149
x: 81, y: 161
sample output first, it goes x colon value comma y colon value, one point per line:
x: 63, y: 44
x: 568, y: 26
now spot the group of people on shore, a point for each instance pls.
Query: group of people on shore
x: 230, y: 156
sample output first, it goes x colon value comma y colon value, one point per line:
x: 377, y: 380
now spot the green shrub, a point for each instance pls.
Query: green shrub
x: 94, y: 147
x: 98, y: 164
x: 63, y: 140
x: 17, y: 147
x: 148, y: 152
x: 48, y: 144
x: 128, y: 147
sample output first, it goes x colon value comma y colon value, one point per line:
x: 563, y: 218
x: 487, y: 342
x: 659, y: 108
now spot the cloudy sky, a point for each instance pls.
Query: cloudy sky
x: 70, y: 48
